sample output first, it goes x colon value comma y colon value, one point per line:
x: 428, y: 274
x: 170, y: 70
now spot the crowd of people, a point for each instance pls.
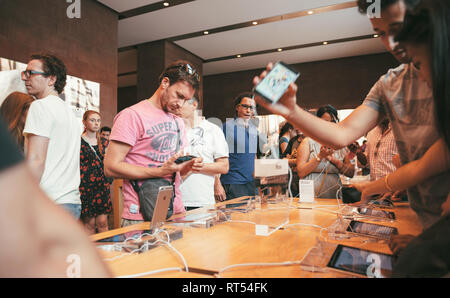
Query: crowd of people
x: 404, y: 116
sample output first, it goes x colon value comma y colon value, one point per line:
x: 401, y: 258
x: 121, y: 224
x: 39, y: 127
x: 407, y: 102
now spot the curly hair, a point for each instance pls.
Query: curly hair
x: 53, y: 66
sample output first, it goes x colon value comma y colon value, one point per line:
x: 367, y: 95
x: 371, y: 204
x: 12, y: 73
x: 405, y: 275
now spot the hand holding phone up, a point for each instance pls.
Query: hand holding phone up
x: 275, y: 89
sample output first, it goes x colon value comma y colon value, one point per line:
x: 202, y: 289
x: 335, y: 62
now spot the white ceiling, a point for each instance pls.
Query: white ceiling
x: 203, y: 15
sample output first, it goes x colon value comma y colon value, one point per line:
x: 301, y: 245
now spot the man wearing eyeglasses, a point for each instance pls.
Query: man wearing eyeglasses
x: 52, y: 133
x: 145, y: 137
x: 242, y: 138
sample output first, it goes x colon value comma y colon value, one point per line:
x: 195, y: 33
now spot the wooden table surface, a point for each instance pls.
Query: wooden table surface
x: 208, y: 251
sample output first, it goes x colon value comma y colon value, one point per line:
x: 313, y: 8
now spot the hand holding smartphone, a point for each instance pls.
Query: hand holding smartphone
x: 185, y: 158
x: 276, y: 82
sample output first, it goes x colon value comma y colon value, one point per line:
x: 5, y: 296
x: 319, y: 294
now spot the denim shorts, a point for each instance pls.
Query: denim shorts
x: 74, y: 209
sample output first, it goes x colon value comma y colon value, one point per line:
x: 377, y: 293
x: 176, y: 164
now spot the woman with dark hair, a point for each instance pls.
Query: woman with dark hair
x: 286, y: 133
x: 322, y: 164
x: 94, y: 186
x: 14, y: 111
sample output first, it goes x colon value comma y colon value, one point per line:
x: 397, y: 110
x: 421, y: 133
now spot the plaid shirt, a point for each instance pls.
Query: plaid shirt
x: 381, y: 149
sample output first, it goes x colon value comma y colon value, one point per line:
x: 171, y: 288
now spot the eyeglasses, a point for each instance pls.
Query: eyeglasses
x: 247, y: 106
x: 26, y: 74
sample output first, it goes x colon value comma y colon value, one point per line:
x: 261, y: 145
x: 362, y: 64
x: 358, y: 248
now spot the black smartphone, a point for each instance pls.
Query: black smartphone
x: 276, y: 82
x: 184, y: 158
x: 360, y: 262
x: 371, y: 230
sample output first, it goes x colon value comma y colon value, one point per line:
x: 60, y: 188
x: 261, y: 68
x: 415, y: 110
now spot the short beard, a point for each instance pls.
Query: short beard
x: 163, y: 101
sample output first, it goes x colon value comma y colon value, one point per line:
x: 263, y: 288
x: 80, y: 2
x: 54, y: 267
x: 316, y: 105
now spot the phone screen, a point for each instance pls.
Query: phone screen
x: 370, y: 229
x: 275, y: 84
x: 376, y: 213
x: 363, y: 262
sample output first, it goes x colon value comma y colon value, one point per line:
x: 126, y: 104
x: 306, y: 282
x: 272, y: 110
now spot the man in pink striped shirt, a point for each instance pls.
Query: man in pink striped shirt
x: 382, y: 154
x: 381, y: 149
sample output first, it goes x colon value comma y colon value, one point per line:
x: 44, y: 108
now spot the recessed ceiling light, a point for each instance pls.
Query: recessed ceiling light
x: 205, y: 32
x: 280, y: 49
x: 325, y: 42
x: 239, y: 56
x: 166, y: 4
x: 310, y: 12
x: 255, y: 23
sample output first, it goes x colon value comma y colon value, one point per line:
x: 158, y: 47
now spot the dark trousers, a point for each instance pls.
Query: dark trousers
x: 239, y: 190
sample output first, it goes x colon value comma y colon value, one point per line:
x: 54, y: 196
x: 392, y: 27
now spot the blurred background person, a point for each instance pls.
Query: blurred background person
x: 322, y: 164
x: 94, y: 186
x: 105, y: 132
x: 286, y: 133
x: 38, y: 236
x: 14, y: 111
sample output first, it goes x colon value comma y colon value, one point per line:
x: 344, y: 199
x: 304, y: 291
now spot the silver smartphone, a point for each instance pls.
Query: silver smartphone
x: 162, y: 206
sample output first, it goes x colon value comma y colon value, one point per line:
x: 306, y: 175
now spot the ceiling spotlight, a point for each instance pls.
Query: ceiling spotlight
x: 255, y: 23
x: 310, y: 12
x: 375, y: 35
x: 280, y: 49
x: 166, y: 4
x: 325, y: 42
x: 205, y: 32
x: 239, y: 56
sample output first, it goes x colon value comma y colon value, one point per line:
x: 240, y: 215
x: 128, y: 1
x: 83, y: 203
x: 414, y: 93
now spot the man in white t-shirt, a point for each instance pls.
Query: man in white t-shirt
x: 206, y: 140
x: 52, y: 132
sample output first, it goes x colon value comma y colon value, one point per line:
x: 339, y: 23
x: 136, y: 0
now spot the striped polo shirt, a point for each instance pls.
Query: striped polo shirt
x: 407, y: 101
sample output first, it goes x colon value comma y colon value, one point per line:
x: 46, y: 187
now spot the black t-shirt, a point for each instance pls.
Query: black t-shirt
x: 10, y: 153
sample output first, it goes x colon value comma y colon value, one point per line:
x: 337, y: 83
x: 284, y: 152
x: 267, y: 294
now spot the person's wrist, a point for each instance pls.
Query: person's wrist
x: 293, y: 114
x: 387, y: 184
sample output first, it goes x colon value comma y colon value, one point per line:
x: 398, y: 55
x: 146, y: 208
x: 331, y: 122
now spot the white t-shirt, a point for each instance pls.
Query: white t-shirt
x: 52, y: 118
x: 206, y: 140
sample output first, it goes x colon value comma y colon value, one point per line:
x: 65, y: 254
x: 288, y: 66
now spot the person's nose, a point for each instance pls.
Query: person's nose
x: 392, y: 43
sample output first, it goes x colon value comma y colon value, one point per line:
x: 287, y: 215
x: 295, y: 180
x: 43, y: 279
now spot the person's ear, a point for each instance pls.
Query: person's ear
x: 52, y: 80
x: 165, y: 83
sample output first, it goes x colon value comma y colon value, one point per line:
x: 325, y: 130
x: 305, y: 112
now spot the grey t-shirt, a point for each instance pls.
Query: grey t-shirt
x: 408, y: 103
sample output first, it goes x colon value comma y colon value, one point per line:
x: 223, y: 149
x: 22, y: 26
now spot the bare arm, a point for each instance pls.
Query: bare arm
x: 336, y: 136
x: 435, y: 161
x: 42, y: 225
x: 116, y: 167
x: 305, y: 167
x: 345, y: 167
x: 219, y: 191
x: 36, y: 154
x: 283, y: 147
x: 219, y: 166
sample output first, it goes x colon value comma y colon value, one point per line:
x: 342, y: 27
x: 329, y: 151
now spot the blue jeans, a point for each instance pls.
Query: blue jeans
x: 74, y: 209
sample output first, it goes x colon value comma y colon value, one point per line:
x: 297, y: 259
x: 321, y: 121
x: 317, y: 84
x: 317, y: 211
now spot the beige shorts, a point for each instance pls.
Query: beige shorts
x: 128, y: 222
